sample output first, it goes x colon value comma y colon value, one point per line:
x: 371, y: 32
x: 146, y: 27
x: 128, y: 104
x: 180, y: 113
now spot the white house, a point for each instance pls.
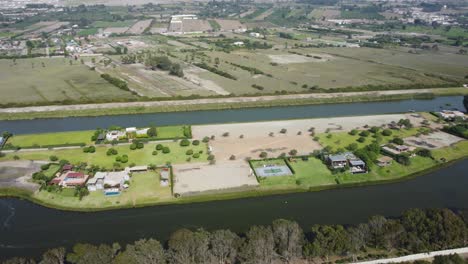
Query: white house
x: 255, y: 34
x: 116, y: 179
x: 1, y: 140
x: 97, y: 182
x: 238, y: 43
x: 130, y: 129
x: 114, y: 135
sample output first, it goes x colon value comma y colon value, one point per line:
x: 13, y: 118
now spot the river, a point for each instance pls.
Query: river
x: 227, y: 116
x: 27, y: 229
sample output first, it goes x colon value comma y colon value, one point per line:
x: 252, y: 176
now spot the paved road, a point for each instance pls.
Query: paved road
x: 79, y: 107
x: 418, y: 256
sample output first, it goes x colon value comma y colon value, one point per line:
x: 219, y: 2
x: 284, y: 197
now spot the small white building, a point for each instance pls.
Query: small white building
x: 450, y: 115
x: 97, y: 182
x: 255, y: 34
x: 130, y: 129
x: 101, y: 180
x: 238, y: 43
x: 114, y: 135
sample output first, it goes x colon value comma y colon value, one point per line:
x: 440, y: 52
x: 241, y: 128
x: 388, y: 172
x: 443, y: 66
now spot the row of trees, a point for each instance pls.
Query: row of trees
x: 284, y: 241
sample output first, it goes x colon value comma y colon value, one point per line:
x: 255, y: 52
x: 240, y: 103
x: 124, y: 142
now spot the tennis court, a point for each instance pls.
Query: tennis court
x: 273, y: 170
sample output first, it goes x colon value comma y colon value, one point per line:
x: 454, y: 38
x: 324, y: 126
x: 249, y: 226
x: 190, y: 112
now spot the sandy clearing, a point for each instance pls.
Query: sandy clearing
x: 224, y: 147
x: 140, y: 26
x: 262, y: 129
x: 194, y: 178
x: 116, y: 30
x: 18, y: 174
x: 294, y: 58
x: 434, y: 140
x: 191, y: 75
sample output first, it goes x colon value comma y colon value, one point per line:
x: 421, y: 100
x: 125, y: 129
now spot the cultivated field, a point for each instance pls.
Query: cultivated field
x: 51, y: 80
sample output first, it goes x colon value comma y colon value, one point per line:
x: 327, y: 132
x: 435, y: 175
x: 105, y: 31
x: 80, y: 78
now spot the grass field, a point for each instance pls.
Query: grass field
x: 45, y: 139
x: 343, y: 139
x: 49, y: 80
x: 106, y: 24
x: 362, y: 66
x: 310, y: 173
x: 144, y: 189
x: 99, y: 158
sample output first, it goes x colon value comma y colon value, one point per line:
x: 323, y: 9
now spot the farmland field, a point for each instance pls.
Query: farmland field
x: 52, y: 80
x: 58, y: 138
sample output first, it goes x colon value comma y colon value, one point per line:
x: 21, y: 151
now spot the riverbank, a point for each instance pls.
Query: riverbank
x: 220, y: 103
x: 291, y: 143
x: 217, y: 195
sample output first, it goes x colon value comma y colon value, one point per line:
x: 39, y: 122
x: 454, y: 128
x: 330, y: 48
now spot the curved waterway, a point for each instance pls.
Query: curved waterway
x: 28, y: 229
x: 228, y: 116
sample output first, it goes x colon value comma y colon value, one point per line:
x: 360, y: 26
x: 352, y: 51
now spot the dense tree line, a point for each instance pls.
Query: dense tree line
x: 163, y: 63
x: 283, y: 241
x: 121, y: 84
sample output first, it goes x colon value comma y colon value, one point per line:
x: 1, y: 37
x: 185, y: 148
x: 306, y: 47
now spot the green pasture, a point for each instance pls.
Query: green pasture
x: 57, y: 138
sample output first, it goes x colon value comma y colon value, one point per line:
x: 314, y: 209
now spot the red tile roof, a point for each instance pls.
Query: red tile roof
x: 75, y: 175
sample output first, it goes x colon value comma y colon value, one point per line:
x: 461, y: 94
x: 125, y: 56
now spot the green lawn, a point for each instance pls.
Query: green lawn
x: 139, y: 157
x: 106, y: 24
x: 144, y: 188
x: 307, y: 174
x: 170, y: 132
x: 343, y: 139
x: 50, y: 172
x: 45, y: 139
x: 456, y: 151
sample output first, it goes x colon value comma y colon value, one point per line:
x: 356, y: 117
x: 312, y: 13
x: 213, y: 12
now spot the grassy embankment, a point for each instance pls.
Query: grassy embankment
x: 80, y: 137
x: 237, y: 105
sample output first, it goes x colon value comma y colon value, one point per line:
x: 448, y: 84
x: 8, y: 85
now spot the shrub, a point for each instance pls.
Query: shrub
x: 189, y: 152
x: 352, y: 147
x: 166, y: 150
x: 232, y: 157
x: 374, y: 129
x: 133, y: 146
x: 398, y: 141
x: 293, y: 152
x: 206, y: 139
x: 353, y: 132
x: 53, y: 158
x: 424, y: 153
x: 196, y: 142
x: 124, y: 159
x: 361, y: 139
x: 140, y: 145
x: 211, y: 157
x: 152, y: 132
x: 118, y: 159
x: 283, y: 131
x: 184, y: 143
x: 364, y: 133
x: 196, y: 155
x: 387, y: 132
x: 112, y: 151
x: 226, y: 134
x: 155, y: 153
x: 159, y: 147
x: 16, y: 157
x: 263, y: 154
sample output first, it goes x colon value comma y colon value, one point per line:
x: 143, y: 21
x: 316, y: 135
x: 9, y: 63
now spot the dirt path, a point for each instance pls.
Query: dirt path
x: 414, y: 257
x: 79, y: 107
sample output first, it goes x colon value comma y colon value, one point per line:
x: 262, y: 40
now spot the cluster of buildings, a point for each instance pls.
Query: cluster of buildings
x: 451, y: 115
x: 110, y: 183
x: 129, y: 132
x: 342, y: 160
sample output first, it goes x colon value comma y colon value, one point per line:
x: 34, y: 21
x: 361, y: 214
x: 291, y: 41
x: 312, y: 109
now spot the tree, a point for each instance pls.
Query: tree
x: 184, y: 143
x: 142, y: 251
x: 185, y: 246
x: 90, y: 254
x: 398, y: 141
x: 327, y: 240
x: 259, y: 246
x: 289, y: 239
x: 293, y: 152
x: 224, y: 246
x: 387, y: 132
x: 53, y: 158
x: 152, y: 132
x: 53, y: 256
x: 263, y: 154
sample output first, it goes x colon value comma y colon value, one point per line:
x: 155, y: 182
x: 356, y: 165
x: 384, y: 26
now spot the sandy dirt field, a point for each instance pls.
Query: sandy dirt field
x: 140, y: 26
x: 262, y: 129
x: 18, y: 174
x: 294, y: 58
x: 116, y: 30
x: 224, y: 147
x: 434, y: 140
x: 193, y: 178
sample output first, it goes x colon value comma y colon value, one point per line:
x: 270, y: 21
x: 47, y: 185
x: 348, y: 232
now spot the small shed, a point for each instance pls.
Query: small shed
x: 384, y: 161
